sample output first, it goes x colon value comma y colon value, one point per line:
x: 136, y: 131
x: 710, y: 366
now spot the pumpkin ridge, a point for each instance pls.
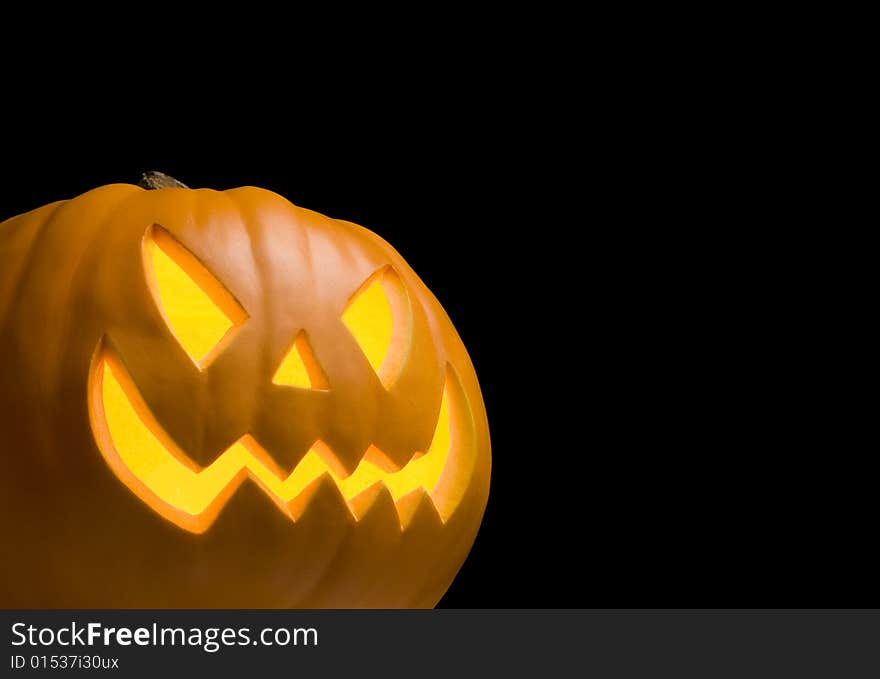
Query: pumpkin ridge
x: 391, y: 483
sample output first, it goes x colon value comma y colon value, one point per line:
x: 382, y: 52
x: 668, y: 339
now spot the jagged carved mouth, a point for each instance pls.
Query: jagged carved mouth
x: 151, y: 464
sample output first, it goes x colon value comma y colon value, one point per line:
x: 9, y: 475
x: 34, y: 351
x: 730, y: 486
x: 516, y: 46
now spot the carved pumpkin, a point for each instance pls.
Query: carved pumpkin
x: 218, y: 399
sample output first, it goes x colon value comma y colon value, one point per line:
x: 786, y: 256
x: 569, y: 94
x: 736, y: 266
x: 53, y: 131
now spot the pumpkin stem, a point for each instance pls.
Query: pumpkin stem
x: 159, y: 180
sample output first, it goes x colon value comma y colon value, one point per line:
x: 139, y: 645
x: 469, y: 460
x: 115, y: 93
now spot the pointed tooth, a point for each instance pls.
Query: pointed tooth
x: 320, y: 497
x: 340, y: 466
x: 397, y: 459
x: 422, y: 543
x: 417, y: 510
x: 323, y: 526
x: 244, y: 501
x: 366, y: 557
x: 375, y: 456
x: 374, y: 500
x: 272, y: 545
x: 343, y: 455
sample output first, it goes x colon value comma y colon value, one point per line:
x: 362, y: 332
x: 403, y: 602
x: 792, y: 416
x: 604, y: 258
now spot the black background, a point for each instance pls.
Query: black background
x: 663, y: 432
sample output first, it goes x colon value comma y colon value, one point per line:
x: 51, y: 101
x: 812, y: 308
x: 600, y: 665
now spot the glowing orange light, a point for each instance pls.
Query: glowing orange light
x: 370, y: 318
x: 300, y: 368
x: 146, y: 458
x: 199, y: 310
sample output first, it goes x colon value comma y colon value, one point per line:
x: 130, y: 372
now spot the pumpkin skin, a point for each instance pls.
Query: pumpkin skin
x: 79, y: 532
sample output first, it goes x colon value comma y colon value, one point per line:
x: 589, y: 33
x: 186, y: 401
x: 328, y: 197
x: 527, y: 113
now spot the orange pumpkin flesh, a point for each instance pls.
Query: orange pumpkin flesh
x: 282, y: 449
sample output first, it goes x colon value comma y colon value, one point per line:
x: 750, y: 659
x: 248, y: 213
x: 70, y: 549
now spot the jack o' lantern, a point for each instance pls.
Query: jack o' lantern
x: 218, y: 399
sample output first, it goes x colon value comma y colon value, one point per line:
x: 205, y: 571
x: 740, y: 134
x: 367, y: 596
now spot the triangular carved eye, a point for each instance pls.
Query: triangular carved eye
x: 200, y: 312
x: 300, y: 368
x: 378, y: 317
